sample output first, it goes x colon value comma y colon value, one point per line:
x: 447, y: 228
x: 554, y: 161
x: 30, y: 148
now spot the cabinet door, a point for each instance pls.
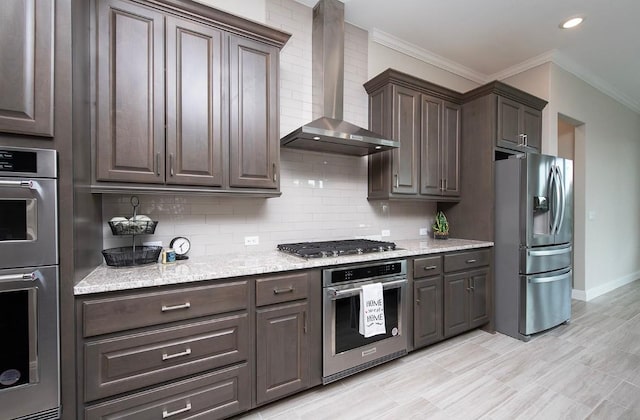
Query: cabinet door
x: 508, y: 124
x: 456, y: 306
x: 26, y: 66
x: 431, y: 173
x: 282, y: 358
x: 451, y: 148
x: 427, y: 311
x: 254, y: 144
x: 130, y: 93
x: 479, y: 298
x: 406, y: 130
x: 532, y: 127
x: 379, y: 164
x: 194, y: 104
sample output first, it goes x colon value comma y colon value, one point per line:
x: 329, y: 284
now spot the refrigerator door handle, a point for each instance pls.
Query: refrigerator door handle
x: 562, y: 198
x: 545, y: 253
x: 542, y: 279
x: 554, y: 200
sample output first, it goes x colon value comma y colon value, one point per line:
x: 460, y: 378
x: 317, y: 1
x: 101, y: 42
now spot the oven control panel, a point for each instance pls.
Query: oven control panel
x: 361, y: 272
x: 28, y: 162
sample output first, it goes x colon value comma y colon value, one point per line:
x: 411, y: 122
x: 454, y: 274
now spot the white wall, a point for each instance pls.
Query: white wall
x: 323, y: 195
x: 250, y: 9
x: 607, y: 176
x: 612, y: 180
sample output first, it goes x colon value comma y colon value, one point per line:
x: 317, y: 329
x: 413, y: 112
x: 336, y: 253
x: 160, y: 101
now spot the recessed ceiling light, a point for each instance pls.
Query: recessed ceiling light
x: 571, y: 23
x: 316, y: 138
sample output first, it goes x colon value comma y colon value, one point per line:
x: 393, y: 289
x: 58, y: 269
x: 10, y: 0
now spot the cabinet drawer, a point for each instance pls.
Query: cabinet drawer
x: 213, y: 396
x: 279, y: 289
x: 128, y: 362
x: 425, y: 267
x: 113, y: 314
x: 466, y: 260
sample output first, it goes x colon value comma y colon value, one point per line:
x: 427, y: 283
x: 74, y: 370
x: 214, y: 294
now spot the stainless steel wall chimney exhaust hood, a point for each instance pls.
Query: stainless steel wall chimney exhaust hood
x: 328, y: 132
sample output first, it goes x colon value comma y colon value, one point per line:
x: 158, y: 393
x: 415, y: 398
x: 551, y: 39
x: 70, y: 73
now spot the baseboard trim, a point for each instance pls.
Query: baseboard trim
x: 578, y: 294
x: 604, y: 288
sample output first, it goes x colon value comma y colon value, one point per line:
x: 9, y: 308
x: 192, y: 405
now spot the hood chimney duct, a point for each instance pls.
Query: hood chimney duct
x: 328, y: 132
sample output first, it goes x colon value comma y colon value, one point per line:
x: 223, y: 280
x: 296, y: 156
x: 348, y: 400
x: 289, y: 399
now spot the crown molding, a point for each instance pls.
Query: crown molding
x: 428, y: 57
x: 552, y: 56
x: 567, y: 64
x: 585, y: 75
x: 545, y: 57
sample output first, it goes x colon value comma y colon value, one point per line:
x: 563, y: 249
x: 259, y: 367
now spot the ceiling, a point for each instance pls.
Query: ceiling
x: 493, y: 39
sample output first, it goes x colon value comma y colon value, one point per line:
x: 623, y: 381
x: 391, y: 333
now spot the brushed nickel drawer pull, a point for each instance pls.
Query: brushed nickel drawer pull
x: 166, y: 414
x: 166, y: 356
x: 430, y: 267
x: 275, y: 174
x: 289, y: 289
x: 471, y: 261
x: 185, y: 305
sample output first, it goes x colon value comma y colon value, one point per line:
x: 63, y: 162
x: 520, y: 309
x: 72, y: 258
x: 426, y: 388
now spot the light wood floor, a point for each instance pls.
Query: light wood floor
x: 589, y: 368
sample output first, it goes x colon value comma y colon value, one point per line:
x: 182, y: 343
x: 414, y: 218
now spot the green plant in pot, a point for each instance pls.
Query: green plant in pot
x: 440, y: 226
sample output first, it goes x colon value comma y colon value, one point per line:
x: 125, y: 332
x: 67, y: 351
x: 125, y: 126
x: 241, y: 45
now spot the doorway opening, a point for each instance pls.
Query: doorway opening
x: 571, y: 145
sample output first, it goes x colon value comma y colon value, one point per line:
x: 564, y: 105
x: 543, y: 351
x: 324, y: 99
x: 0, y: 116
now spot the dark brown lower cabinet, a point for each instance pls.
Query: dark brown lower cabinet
x: 427, y: 311
x: 466, y: 301
x: 282, y: 351
x: 215, y: 395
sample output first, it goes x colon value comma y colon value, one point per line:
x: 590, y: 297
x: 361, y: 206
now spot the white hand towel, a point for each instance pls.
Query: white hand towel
x: 372, y: 310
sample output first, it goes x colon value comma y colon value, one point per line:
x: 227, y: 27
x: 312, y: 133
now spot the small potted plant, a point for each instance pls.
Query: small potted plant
x: 440, y: 226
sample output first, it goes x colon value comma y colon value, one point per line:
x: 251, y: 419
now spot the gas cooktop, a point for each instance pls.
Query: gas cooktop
x: 336, y: 248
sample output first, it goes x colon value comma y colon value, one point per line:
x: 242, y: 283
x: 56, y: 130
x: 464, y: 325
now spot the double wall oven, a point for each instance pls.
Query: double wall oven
x: 29, y: 327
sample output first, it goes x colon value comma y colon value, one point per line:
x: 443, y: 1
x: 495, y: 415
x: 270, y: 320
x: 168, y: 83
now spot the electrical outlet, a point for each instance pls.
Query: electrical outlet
x: 385, y: 232
x: 251, y: 240
x: 424, y: 232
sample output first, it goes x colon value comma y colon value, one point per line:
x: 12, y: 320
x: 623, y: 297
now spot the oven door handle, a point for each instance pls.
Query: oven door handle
x: 19, y: 277
x: 20, y: 184
x: 335, y: 294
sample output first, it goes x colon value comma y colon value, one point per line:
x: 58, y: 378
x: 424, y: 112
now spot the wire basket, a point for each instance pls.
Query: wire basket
x: 125, y: 256
x: 130, y: 227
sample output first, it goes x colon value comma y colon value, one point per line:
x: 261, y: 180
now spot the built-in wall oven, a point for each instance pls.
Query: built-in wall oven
x: 345, y: 350
x: 29, y: 326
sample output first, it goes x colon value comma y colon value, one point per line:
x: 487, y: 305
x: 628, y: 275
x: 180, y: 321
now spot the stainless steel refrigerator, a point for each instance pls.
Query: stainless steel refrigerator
x: 533, y: 243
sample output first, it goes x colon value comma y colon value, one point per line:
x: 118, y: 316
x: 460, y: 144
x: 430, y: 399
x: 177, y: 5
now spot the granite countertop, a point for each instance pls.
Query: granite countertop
x: 106, y: 279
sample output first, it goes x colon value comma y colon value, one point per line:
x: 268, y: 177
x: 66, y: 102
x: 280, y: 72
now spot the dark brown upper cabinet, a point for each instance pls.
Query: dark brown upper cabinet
x: 26, y: 66
x: 426, y: 119
x: 187, y: 99
x: 519, y: 126
x: 516, y: 116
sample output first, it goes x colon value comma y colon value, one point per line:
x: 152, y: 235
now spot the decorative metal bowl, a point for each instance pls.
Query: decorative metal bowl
x: 125, y: 256
x: 129, y: 227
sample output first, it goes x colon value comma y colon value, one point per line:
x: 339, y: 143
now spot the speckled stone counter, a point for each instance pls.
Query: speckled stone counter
x: 106, y: 279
